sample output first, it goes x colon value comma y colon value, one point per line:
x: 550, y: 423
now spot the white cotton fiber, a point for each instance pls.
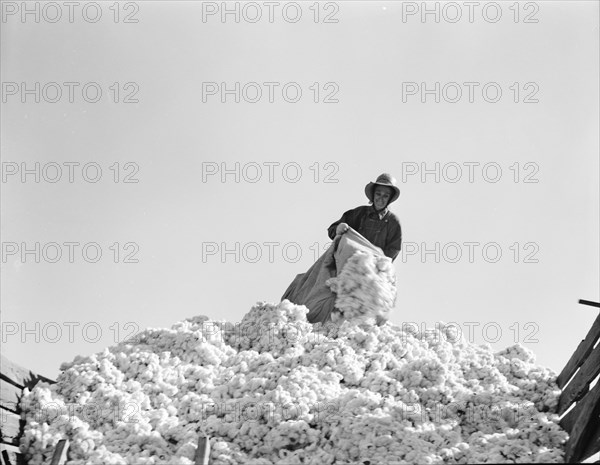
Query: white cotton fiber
x: 278, y: 390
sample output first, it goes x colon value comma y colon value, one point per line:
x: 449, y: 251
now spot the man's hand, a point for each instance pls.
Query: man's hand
x: 341, y: 229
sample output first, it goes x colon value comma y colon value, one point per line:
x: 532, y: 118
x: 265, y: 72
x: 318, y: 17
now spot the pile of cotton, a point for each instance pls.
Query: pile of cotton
x: 365, y: 288
x: 274, y: 389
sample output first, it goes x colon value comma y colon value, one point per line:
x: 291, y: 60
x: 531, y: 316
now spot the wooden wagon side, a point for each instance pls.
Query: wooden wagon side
x: 583, y: 420
x: 13, y: 379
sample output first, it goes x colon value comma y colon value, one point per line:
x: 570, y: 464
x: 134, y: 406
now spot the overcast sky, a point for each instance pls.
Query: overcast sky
x: 201, y: 204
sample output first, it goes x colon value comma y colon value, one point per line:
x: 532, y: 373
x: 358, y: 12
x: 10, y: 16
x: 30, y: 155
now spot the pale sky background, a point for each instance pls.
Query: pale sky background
x: 172, y: 136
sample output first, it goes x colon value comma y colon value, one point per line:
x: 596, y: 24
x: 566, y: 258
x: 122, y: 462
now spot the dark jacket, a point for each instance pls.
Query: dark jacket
x: 385, y: 233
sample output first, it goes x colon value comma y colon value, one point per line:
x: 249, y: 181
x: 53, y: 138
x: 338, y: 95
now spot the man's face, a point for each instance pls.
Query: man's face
x: 381, y: 197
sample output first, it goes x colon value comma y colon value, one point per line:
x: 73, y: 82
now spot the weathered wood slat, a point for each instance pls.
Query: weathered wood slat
x: 10, y: 427
x: 580, y: 432
x: 581, y: 381
x: 583, y: 350
x: 60, y: 452
x: 593, y: 443
x: 18, y: 375
x: 10, y: 371
x: 203, y: 451
x: 10, y: 455
x: 582, y: 393
x: 568, y: 421
x: 10, y: 395
x: 13, y: 379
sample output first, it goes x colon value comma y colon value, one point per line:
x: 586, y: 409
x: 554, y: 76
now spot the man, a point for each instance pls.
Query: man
x: 375, y: 221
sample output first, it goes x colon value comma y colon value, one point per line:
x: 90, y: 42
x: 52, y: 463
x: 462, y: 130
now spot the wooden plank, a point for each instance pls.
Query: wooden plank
x: 203, y: 451
x: 11, y: 455
x: 60, y: 453
x: 593, y: 443
x: 568, y: 421
x: 10, y: 396
x: 18, y: 375
x: 15, y: 373
x: 579, y: 434
x: 581, y: 381
x: 10, y: 427
x: 583, y: 350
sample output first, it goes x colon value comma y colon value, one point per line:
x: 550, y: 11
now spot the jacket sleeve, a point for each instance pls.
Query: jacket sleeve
x: 394, y: 244
x: 350, y: 218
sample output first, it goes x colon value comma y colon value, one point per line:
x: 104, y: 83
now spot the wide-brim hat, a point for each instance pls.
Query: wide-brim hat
x: 386, y: 180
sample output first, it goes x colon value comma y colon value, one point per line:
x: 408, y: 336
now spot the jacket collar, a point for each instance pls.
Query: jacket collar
x: 382, y: 214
